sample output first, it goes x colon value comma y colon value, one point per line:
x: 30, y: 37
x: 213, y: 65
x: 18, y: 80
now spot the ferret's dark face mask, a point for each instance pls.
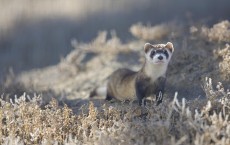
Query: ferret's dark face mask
x: 158, y: 56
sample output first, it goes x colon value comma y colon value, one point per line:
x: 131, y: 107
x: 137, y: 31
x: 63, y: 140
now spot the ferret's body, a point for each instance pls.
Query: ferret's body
x: 121, y: 85
x: 125, y: 84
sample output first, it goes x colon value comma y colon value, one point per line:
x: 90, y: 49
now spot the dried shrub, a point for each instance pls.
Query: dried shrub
x: 219, y: 32
x: 156, y: 32
x: 33, y: 125
x: 224, y: 65
x: 173, y: 122
x: 219, y: 96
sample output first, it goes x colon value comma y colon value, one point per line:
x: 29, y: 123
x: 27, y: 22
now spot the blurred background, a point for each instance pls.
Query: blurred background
x: 37, y: 33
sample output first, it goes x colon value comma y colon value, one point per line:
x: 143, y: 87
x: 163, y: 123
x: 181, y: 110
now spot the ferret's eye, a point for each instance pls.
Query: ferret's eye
x: 152, y: 54
x: 166, y: 53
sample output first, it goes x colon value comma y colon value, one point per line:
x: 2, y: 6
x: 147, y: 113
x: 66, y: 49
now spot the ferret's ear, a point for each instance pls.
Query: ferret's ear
x: 169, y: 45
x: 147, y: 47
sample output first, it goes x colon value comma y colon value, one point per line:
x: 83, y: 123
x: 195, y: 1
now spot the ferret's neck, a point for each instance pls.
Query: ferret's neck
x: 154, y: 71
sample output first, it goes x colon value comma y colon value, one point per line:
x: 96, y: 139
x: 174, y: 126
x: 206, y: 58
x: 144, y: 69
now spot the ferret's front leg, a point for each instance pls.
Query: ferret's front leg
x: 141, y: 100
x: 160, y: 90
x: 140, y: 93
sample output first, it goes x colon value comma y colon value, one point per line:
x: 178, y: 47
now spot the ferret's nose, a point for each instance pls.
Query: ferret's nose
x: 160, y: 57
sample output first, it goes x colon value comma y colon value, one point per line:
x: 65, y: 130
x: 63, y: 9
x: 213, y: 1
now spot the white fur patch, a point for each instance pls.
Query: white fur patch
x: 101, y: 91
x: 155, y: 70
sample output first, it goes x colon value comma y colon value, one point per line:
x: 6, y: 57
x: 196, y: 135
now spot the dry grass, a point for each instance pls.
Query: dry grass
x: 219, y: 32
x: 224, y: 65
x: 156, y: 32
x: 173, y: 122
x: 32, y: 124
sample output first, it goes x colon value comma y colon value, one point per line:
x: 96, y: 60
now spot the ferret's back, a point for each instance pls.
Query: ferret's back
x: 121, y: 84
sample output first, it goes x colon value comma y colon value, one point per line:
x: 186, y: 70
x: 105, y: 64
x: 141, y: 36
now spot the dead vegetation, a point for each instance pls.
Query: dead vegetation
x: 74, y: 119
x: 219, y: 32
x: 224, y: 65
x: 173, y: 122
x: 156, y: 32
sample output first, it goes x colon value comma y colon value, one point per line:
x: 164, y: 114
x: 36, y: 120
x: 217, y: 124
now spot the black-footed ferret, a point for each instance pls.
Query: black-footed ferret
x: 125, y: 84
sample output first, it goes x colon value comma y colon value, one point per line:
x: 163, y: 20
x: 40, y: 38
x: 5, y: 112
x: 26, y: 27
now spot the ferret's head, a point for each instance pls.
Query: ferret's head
x: 158, y: 54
